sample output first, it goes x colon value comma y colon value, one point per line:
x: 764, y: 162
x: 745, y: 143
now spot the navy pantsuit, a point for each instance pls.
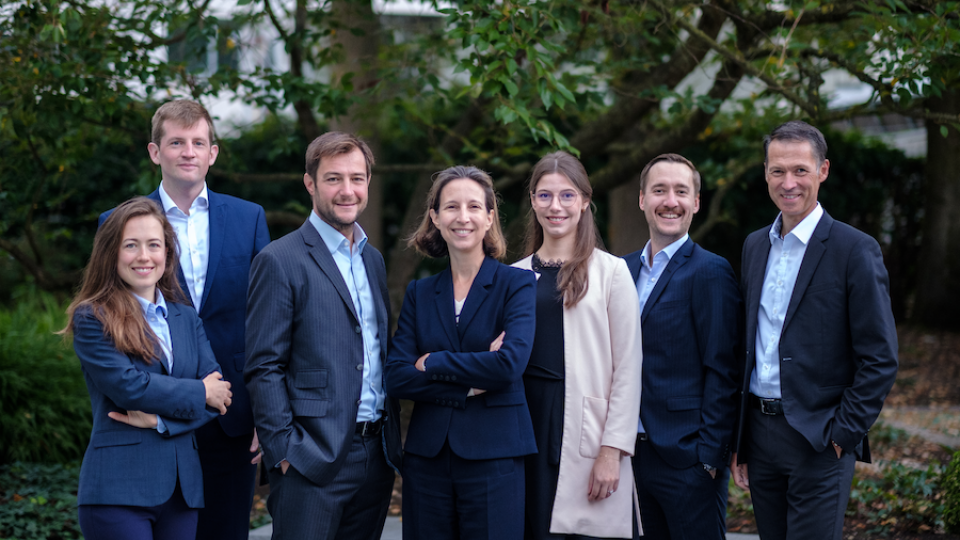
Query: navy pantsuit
x: 471, y: 444
x: 130, y: 466
x: 838, y: 361
x: 691, y: 327
x: 238, y: 231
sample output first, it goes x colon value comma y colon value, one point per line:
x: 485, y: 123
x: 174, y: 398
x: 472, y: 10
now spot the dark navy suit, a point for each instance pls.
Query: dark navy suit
x: 130, y: 466
x: 691, y: 330
x: 238, y: 231
x: 482, y: 438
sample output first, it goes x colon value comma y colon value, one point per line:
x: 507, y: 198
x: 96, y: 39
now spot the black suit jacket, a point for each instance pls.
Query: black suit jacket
x: 305, y: 355
x: 838, y: 348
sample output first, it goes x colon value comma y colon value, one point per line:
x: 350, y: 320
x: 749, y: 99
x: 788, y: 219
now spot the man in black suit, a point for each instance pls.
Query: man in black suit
x: 821, y: 349
x: 317, y: 329
x: 690, y: 312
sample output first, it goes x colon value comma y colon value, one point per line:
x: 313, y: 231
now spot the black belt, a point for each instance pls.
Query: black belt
x: 369, y: 429
x: 770, y: 406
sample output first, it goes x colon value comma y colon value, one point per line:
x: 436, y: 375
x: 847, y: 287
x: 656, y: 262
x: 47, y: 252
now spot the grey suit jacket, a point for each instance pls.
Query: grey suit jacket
x: 304, y: 348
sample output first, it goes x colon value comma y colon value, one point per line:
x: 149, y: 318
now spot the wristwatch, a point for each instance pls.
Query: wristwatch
x: 709, y: 468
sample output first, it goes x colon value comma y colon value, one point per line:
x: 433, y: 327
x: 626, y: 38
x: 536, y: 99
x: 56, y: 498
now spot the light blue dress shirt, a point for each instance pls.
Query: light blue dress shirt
x: 354, y: 273
x: 650, y: 274
x: 783, y: 266
x: 156, y: 317
x: 193, y: 236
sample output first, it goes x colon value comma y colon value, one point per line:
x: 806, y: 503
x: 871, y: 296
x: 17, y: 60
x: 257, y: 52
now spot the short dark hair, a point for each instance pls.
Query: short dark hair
x: 427, y: 238
x: 670, y: 158
x: 183, y: 112
x: 335, y: 143
x: 798, y: 131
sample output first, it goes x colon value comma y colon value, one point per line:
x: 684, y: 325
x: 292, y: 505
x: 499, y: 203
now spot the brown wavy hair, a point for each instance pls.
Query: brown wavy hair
x: 109, y: 297
x: 427, y: 239
x: 572, y: 279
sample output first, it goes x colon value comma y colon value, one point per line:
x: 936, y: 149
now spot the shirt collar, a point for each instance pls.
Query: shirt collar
x: 202, y: 200
x: 670, y: 250
x: 160, y: 306
x: 803, y: 231
x: 334, y: 239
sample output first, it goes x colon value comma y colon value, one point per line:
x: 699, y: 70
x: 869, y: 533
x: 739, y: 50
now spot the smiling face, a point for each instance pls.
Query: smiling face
x: 184, y: 154
x: 558, y: 205
x: 462, y: 217
x: 669, y: 200
x: 339, y: 192
x: 142, y: 257
x: 793, y: 179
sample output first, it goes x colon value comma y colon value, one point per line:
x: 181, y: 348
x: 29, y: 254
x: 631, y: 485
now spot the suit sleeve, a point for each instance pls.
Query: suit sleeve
x: 716, y: 315
x: 206, y: 364
x: 873, y: 336
x: 269, y: 330
x: 623, y: 315
x: 495, y: 370
x: 130, y: 388
x: 403, y: 379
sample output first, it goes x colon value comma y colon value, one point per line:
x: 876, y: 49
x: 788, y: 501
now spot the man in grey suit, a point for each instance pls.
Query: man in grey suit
x: 317, y: 332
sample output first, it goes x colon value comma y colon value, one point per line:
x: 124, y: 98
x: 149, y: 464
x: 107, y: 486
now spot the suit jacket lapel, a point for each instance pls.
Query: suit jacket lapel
x: 633, y: 264
x: 180, y: 347
x: 319, y: 252
x: 811, y: 259
x: 376, y: 282
x: 759, y: 251
x: 679, y: 259
x: 218, y: 219
x: 445, y: 309
x: 478, y: 293
x: 181, y: 279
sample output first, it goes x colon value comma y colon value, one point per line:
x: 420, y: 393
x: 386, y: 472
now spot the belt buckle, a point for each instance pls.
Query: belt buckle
x: 771, y: 411
x: 369, y: 429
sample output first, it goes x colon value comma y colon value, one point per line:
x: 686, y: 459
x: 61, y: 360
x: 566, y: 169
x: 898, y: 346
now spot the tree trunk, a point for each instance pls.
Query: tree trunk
x: 938, y: 290
x: 627, y: 230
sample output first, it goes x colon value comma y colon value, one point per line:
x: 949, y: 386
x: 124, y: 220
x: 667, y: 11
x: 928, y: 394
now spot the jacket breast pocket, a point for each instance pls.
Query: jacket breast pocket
x: 591, y: 429
x: 116, y: 438
x: 505, y: 399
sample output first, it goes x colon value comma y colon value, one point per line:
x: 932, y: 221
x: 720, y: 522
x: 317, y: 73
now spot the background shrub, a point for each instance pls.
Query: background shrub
x: 44, y: 405
x: 39, y: 501
x: 950, y: 487
x: 901, y: 498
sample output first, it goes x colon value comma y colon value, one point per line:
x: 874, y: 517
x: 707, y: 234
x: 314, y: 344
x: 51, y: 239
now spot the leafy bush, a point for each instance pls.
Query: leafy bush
x: 902, y: 499
x: 950, y: 487
x: 39, y: 501
x: 44, y: 406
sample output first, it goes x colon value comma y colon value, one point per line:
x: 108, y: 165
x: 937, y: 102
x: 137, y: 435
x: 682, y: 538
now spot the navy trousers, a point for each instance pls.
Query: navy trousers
x: 172, y: 520
x: 228, y: 483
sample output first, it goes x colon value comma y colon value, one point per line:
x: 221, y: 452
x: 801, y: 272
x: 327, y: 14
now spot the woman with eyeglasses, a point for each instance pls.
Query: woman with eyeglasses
x: 583, y: 378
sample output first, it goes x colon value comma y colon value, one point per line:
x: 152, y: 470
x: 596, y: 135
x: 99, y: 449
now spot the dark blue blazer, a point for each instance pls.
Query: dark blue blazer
x: 838, y: 348
x: 126, y: 465
x: 495, y: 424
x: 691, y: 330
x: 238, y: 231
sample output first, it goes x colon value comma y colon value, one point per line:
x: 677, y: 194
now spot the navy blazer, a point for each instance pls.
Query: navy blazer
x: 126, y: 465
x: 691, y: 328
x: 238, y: 231
x: 838, y: 348
x: 305, y: 355
x: 495, y: 424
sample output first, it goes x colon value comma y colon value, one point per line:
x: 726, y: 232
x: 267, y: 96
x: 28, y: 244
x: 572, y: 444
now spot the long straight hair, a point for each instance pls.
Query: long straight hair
x: 109, y: 297
x: 572, y: 280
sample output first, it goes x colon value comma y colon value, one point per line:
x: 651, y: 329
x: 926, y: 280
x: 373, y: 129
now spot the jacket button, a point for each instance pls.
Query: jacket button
x: 357, y: 329
x: 359, y: 367
x: 453, y: 377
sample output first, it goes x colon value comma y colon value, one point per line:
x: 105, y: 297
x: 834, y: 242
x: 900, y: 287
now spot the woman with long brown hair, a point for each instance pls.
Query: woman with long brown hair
x: 583, y: 378
x: 152, y: 380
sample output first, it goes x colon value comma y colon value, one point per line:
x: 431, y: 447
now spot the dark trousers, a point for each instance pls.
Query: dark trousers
x: 447, y: 497
x: 679, y: 504
x: 228, y: 483
x: 353, y: 506
x: 172, y: 520
x: 797, y: 492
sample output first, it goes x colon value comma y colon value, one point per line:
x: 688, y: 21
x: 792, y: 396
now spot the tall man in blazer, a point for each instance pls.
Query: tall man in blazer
x: 689, y: 311
x: 317, y: 334
x: 821, y: 349
x: 219, y: 236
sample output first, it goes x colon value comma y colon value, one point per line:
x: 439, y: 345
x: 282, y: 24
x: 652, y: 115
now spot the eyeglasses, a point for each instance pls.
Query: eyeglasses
x: 543, y: 199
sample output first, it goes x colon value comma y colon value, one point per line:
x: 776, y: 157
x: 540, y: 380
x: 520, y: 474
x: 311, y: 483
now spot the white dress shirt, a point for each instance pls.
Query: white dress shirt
x: 783, y: 266
x: 193, y: 236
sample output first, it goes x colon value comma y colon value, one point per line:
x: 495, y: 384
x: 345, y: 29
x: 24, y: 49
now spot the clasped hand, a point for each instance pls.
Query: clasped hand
x: 218, y: 391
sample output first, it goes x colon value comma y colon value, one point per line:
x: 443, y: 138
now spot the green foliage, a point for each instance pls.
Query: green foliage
x: 38, y: 502
x: 903, y: 499
x: 950, y: 487
x: 44, y: 406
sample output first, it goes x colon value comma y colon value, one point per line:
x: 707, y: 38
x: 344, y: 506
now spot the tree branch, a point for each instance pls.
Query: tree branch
x: 276, y: 23
x: 715, y: 216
